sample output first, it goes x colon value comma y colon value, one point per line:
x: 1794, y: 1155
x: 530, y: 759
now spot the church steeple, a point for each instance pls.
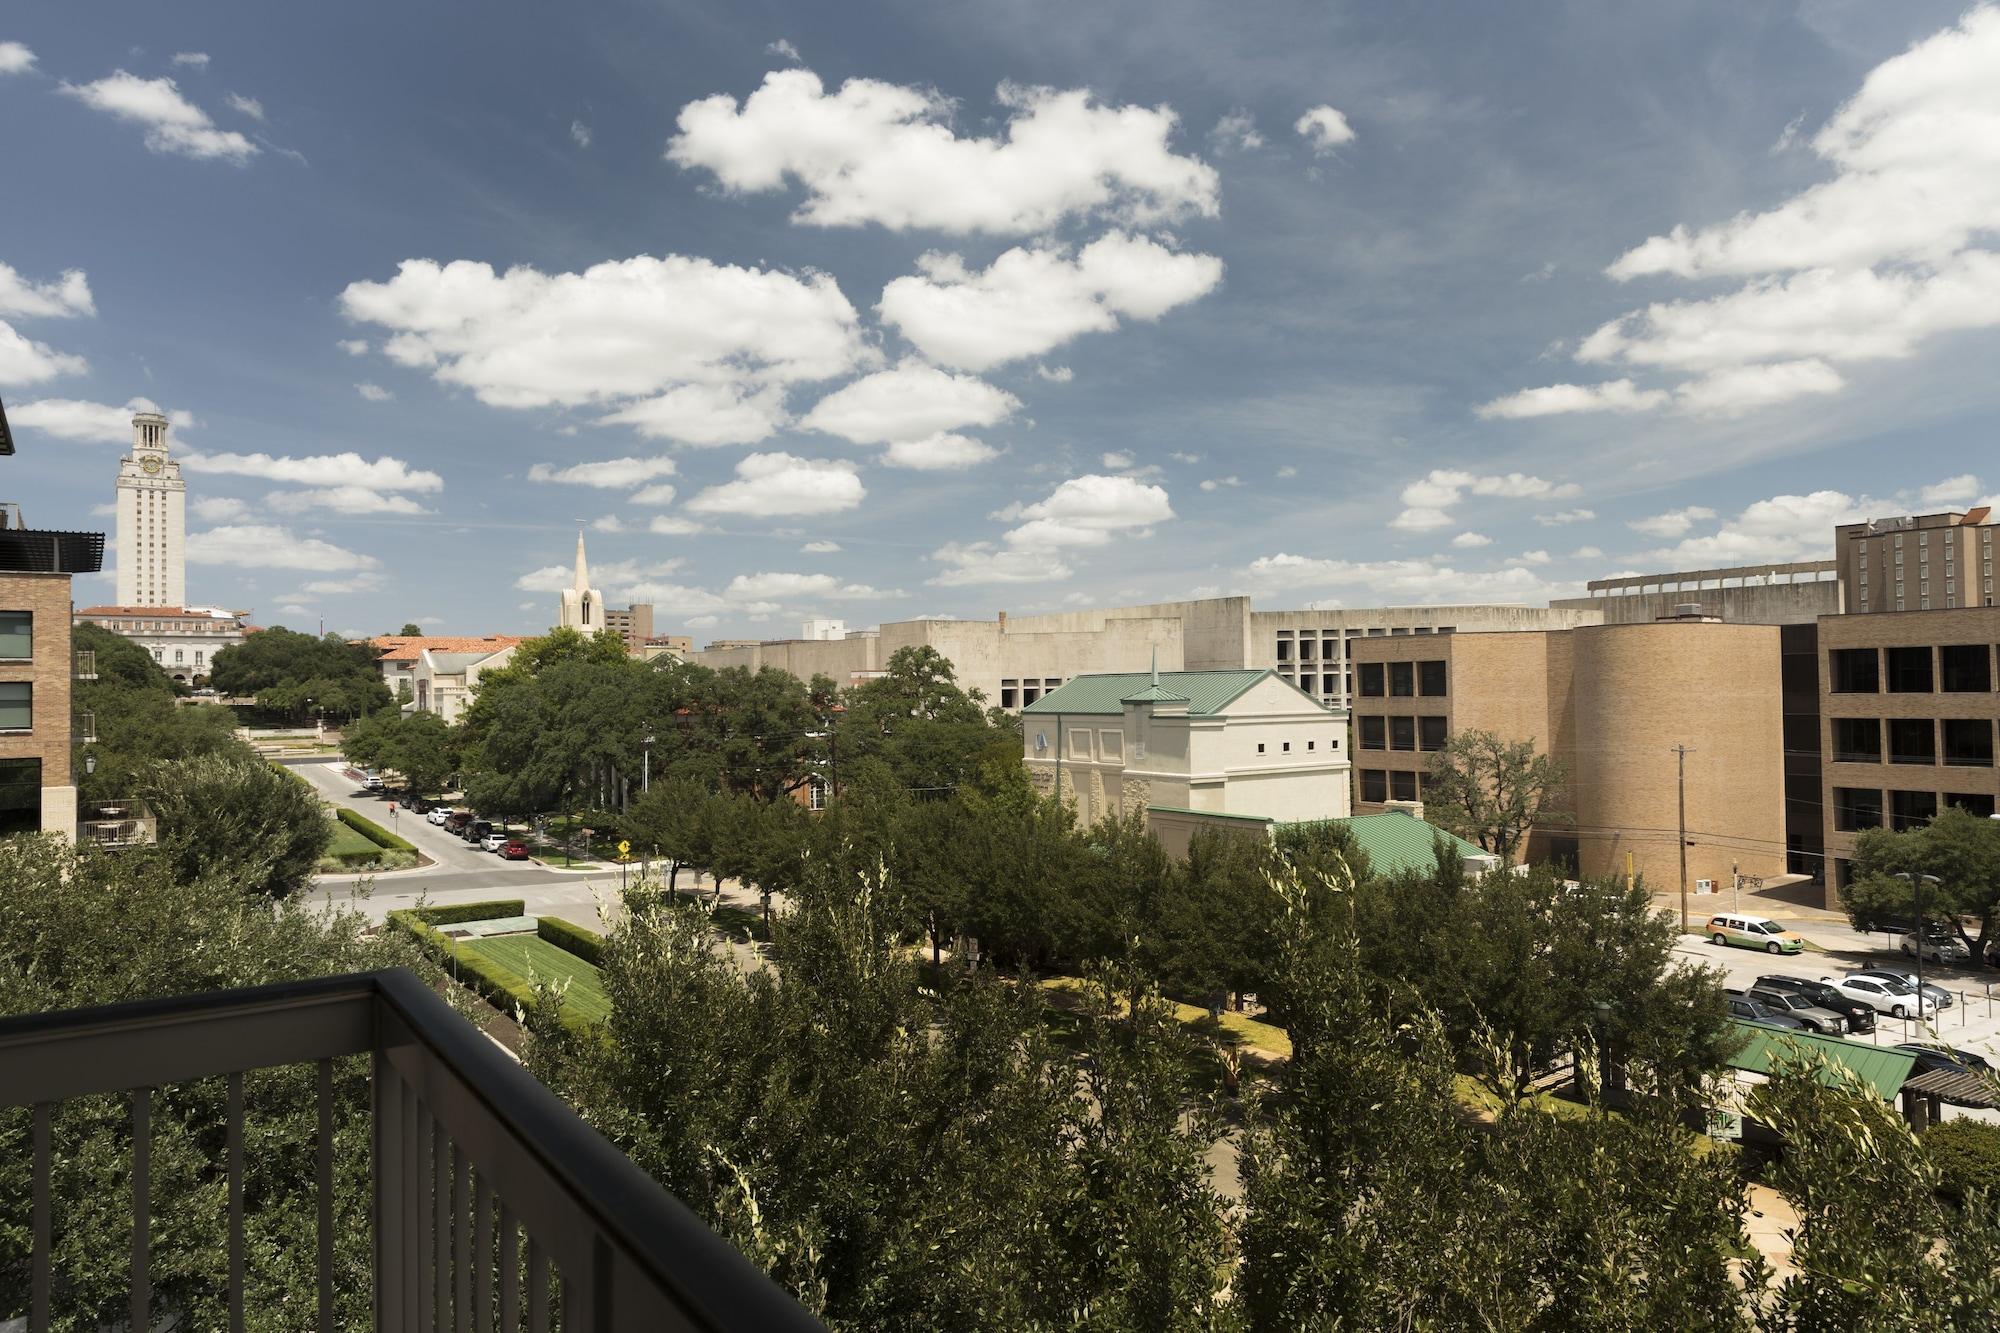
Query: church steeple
x: 582, y: 583
x: 582, y: 606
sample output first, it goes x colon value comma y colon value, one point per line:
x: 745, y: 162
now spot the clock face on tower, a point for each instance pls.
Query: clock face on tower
x: 151, y: 464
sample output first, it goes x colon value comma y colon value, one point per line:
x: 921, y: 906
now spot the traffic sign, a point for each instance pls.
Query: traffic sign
x: 624, y: 848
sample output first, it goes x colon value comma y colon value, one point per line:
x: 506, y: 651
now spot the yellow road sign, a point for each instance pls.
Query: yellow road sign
x: 624, y: 849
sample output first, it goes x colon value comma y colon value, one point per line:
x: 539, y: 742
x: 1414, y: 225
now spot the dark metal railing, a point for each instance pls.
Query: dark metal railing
x: 458, y: 1129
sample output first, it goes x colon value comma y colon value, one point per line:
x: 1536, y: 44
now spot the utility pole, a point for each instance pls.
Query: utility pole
x: 1682, y: 752
x: 1736, y: 882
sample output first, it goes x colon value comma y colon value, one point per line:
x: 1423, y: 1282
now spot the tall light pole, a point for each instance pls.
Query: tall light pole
x: 1917, y: 883
x: 1681, y: 753
x: 646, y: 766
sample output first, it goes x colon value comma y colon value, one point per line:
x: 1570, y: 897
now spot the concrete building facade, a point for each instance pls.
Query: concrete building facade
x: 1921, y: 562
x: 398, y: 654
x: 1911, y: 703
x: 1015, y: 660
x: 1241, y: 743
x: 634, y: 624
x: 1610, y: 703
x: 182, y: 639
x: 1789, y: 594
x: 444, y: 681
x: 151, y: 501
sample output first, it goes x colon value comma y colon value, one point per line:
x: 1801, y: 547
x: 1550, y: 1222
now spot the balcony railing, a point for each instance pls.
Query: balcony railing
x: 120, y: 823
x: 86, y: 664
x: 84, y: 729
x: 459, y: 1130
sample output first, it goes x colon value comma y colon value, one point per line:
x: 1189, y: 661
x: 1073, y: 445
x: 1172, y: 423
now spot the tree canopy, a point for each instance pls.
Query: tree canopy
x: 1491, y: 791
x: 1961, y: 849
x: 299, y: 674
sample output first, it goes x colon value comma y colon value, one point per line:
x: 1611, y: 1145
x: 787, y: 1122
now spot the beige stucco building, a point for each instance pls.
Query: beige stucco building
x: 182, y: 639
x: 151, y: 503
x: 1611, y: 703
x: 444, y: 682
x: 1015, y: 660
x: 1241, y: 742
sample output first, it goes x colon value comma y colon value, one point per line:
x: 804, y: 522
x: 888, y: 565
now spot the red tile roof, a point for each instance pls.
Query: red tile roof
x: 156, y: 612
x: 407, y: 648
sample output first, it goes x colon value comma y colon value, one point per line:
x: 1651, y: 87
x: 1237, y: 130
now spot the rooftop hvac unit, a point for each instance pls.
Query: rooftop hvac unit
x: 1704, y: 886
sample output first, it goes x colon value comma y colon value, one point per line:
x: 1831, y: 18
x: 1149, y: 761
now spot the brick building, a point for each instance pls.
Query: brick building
x: 1911, y: 703
x: 1610, y: 703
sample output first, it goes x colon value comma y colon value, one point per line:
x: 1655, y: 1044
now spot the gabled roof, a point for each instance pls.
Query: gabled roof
x: 1155, y: 694
x: 407, y: 647
x: 1206, y: 692
x: 1397, y: 841
x: 1883, y: 1068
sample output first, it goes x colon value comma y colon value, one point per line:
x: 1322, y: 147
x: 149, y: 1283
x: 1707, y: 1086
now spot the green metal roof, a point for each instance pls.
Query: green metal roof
x: 1206, y: 692
x: 1155, y: 694
x: 1882, y: 1068
x: 1396, y: 841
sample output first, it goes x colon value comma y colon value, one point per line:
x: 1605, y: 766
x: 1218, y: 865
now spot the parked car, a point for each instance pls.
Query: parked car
x: 1823, y: 1021
x: 1859, y: 1017
x: 476, y: 829
x: 1941, y: 945
x: 456, y: 821
x: 438, y: 815
x: 1743, y: 1006
x: 1753, y: 932
x: 1937, y: 995
x: 1956, y: 1061
x: 371, y: 780
x: 493, y: 842
x: 1884, y: 994
x: 515, y: 850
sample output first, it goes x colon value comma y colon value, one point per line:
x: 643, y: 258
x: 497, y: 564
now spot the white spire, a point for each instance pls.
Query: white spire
x: 582, y: 576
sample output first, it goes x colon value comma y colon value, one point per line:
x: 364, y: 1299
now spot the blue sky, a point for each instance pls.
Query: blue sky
x: 907, y: 309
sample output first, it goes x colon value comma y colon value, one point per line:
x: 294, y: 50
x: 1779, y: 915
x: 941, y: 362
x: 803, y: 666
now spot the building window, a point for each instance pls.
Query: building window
x: 1965, y: 668
x: 1431, y: 732
x: 1260, y: 747
x: 1968, y: 742
x: 20, y: 796
x: 1431, y: 679
x: 1403, y: 785
x: 1111, y: 745
x: 17, y: 635
x: 177, y: 656
x: 1079, y: 745
x: 1854, y: 670
x: 1977, y: 804
x: 1284, y: 650
x: 1310, y: 744
x: 1374, y: 785
x: 1856, y: 808
x: 1305, y: 650
x: 1374, y: 732
x: 1371, y: 680
x: 1857, y: 740
x: 1010, y: 693
x: 1912, y: 740
x: 1402, y: 733
x: 1286, y: 747
x: 816, y: 794
x: 17, y: 705
x: 1911, y: 809
x: 1402, y: 679
x: 1909, y: 670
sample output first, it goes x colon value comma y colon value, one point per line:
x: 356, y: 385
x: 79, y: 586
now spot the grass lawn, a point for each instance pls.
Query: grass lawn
x: 532, y: 956
x: 347, y: 840
x: 1234, y: 1029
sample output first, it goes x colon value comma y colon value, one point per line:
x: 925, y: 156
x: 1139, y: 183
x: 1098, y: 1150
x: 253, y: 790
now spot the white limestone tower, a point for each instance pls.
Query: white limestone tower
x: 152, y: 520
x: 582, y: 605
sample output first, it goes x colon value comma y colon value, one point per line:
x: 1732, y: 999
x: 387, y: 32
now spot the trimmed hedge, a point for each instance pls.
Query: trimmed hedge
x: 504, y: 988
x: 451, y: 914
x: 372, y: 831
x: 1967, y: 1154
x: 571, y: 938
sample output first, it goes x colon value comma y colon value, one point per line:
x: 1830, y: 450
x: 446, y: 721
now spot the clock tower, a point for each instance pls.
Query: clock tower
x: 152, y: 520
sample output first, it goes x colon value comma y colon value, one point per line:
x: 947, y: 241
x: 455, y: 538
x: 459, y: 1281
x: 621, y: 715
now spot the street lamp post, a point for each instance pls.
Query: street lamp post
x: 646, y: 766
x: 1917, y: 883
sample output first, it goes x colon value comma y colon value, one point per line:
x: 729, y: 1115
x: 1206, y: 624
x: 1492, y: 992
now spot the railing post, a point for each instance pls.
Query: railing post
x: 142, y: 1209
x: 386, y: 1207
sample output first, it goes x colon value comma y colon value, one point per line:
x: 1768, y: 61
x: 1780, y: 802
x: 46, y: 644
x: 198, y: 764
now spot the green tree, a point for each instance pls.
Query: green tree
x: 411, y: 630
x: 339, y: 677
x: 139, y: 724
x: 240, y: 820
x: 1960, y: 849
x: 1492, y: 791
x: 671, y: 821
x: 915, y: 718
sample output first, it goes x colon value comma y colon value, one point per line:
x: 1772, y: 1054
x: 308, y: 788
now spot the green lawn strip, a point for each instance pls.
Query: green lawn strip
x: 1233, y: 1029
x: 347, y: 842
x: 529, y: 956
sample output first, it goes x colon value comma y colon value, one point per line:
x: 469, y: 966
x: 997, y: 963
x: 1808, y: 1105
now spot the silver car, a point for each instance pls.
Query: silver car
x: 1939, y: 947
x: 1823, y: 1021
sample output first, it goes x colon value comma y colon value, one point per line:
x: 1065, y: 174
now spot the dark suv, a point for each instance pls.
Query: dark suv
x: 1748, y: 1010
x: 1860, y: 1018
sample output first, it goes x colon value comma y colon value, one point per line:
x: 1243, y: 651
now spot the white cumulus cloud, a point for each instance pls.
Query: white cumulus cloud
x: 1399, y: 581
x: 374, y: 393
x: 681, y: 347
x: 911, y: 401
x: 877, y: 152
x: 611, y: 474
x: 939, y: 453
x: 1559, y: 399
x: 194, y: 59
x: 779, y: 484
x: 96, y: 423
x: 322, y: 471
x: 15, y: 58
x: 1032, y: 300
x: 780, y: 587
x: 1089, y: 511
x: 820, y: 548
x: 1324, y: 129
x: 1467, y: 541
x: 67, y: 296
x: 248, y: 106
x: 266, y: 546
x: 172, y: 123
x: 971, y: 563
x: 1673, y: 523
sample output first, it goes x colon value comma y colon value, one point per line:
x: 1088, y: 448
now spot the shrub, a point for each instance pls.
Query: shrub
x: 372, y: 831
x: 483, y: 911
x: 502, y: 987
x: 1967, y: 1154
x: 570, y: 938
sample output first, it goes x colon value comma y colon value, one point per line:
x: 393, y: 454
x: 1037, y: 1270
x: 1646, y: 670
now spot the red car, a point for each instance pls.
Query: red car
x: 515, y: 851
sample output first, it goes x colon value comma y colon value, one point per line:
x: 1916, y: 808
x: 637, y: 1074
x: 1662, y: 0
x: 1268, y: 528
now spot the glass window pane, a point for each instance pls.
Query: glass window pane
x: 1374, y: 785
x: 1371, y: 680
x: 1430, y: 679
x: 17, y: 635
x: 17, y: 705
x: 1374, y: 732
x: 1402, y: 679
x: 1402, y: 733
